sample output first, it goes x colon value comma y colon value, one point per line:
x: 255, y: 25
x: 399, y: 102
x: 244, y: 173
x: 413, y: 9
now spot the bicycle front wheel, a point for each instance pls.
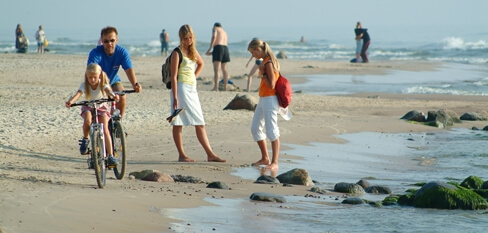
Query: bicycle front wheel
x: 97, y: 152
x: 118, y: 141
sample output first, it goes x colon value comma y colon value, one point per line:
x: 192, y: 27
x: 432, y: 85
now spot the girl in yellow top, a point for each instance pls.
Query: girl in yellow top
x: 266, y: 113
x: 184, y: 95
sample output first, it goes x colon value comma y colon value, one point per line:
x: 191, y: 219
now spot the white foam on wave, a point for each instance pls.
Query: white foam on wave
x: 459, y: 43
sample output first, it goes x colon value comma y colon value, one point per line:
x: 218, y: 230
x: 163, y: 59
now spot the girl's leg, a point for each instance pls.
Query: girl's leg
x: 203, y: 139
x: 178, y: 139
x: 264, y: 154
x: 87, y: 120
x: 259, y: 136
x: 275, y: 145
x: 106, y: 132
x: 272, y: 129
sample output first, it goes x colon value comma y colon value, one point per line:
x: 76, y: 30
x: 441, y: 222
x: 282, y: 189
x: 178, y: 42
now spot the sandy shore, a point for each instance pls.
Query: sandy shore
x: 44, y: 183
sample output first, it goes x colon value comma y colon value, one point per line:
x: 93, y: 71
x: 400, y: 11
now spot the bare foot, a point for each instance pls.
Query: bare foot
x: 185, y: 159
x: 216, y: 159
x: 261, y: 162
x: 273, y: 167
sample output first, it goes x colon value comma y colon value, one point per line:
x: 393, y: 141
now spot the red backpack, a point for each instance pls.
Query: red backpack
x: 283, y: 91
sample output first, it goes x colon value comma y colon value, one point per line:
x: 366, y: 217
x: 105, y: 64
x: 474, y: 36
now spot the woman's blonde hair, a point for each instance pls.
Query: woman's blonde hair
x: 191, y: 50
x: 257, y: 43
x: 95, y: 68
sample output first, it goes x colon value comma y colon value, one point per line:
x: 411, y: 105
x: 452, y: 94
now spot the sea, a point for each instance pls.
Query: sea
x: 448, y: 155
x: 451, y: 154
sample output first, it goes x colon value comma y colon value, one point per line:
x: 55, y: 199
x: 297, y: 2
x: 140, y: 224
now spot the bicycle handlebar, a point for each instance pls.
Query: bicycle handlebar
x: 88, y: 102
x: 123, y: 92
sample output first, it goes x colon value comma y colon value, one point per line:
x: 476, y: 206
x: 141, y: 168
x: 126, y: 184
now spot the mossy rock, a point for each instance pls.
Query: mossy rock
x: 353, y: 189
x: 376, y: 204
x: 441, y: 195
x: 472, y: 182
x: 390, y: 200
x: 406, y: 199
x: 482, y: 192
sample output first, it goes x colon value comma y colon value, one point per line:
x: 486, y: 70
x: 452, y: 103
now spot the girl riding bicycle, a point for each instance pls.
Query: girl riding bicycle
x: 95, y: 86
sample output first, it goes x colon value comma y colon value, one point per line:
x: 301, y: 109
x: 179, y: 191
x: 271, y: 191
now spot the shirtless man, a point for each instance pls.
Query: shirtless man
x: 220, y: 55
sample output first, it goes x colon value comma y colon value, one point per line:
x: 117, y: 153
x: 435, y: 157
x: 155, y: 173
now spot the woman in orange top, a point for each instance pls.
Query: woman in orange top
x: 266, y: 113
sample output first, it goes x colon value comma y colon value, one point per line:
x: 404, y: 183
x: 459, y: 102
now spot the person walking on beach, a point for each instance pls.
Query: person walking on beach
x: 266, y: 112
x: 21, y: 42
x: 359, y: 42
x: 164, y: 38
x: 184, y: 95
x: 110, y: 56
x: 40, y: 37
x: 363, y: 34
x: 96, y: 86
x: 220, y: 55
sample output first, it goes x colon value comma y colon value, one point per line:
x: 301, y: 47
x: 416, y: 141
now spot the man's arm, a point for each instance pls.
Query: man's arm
x: 131, y: 75
x: 212, y: 42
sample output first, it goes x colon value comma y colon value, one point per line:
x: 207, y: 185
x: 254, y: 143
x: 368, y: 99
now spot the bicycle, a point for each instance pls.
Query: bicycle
x: 118, y: 137
x: 98, y: 152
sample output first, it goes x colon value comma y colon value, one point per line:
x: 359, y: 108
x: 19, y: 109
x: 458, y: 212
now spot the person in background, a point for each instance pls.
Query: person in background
x: 110, y: 56
x: 21, y: 42
x: 220, y: 55
x: 95, y: 86
x: 184, y: 95
x: 266, y: 112
x: 164, y: 38
x: 40, y: 37
x: 366, y: 41
x: 303, y: 39
x: 359, y: 42
x: 252, y: 72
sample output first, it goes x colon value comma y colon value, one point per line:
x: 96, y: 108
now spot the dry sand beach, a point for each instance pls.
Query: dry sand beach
x: 45, y: 185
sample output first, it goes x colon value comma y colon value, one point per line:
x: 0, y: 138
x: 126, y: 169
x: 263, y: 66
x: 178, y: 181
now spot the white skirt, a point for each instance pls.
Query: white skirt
x: 187, y: 99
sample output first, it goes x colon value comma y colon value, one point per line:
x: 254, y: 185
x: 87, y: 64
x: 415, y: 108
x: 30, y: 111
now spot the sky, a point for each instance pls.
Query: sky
x: 243, y: 20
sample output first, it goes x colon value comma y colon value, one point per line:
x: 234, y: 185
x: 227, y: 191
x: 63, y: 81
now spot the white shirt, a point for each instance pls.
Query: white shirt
x: 94, y: 94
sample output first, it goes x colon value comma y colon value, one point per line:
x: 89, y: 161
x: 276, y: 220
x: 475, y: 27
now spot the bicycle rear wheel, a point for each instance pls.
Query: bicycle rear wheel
x: 97, y: 151
x: 118, y: 141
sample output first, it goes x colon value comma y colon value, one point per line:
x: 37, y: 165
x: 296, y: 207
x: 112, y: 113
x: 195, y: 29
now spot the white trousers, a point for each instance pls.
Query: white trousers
x: 266, y: 117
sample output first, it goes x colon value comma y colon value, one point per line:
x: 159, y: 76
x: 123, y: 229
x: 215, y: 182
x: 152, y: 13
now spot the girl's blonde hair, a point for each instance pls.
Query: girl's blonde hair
x: 95, y: 68
x: 191, y: 50
x: 257, y: 43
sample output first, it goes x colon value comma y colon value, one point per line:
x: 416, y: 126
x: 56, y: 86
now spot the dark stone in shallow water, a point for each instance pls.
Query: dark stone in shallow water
x: 353, y: 201
x: 217, y: 185
x: 378, y: 190
x: 269, y: 197
x: 354, y: 189
x: 267, y: 180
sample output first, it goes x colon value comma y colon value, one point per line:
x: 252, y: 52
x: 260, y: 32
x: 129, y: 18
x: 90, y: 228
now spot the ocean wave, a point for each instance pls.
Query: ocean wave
x: 442, y: 90
x: 459, y: 43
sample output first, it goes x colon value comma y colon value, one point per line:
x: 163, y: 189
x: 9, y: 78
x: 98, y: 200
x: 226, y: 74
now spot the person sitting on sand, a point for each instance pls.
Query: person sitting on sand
x: 96, y: 86
x: 184, y: 95
x: 266, y: 113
